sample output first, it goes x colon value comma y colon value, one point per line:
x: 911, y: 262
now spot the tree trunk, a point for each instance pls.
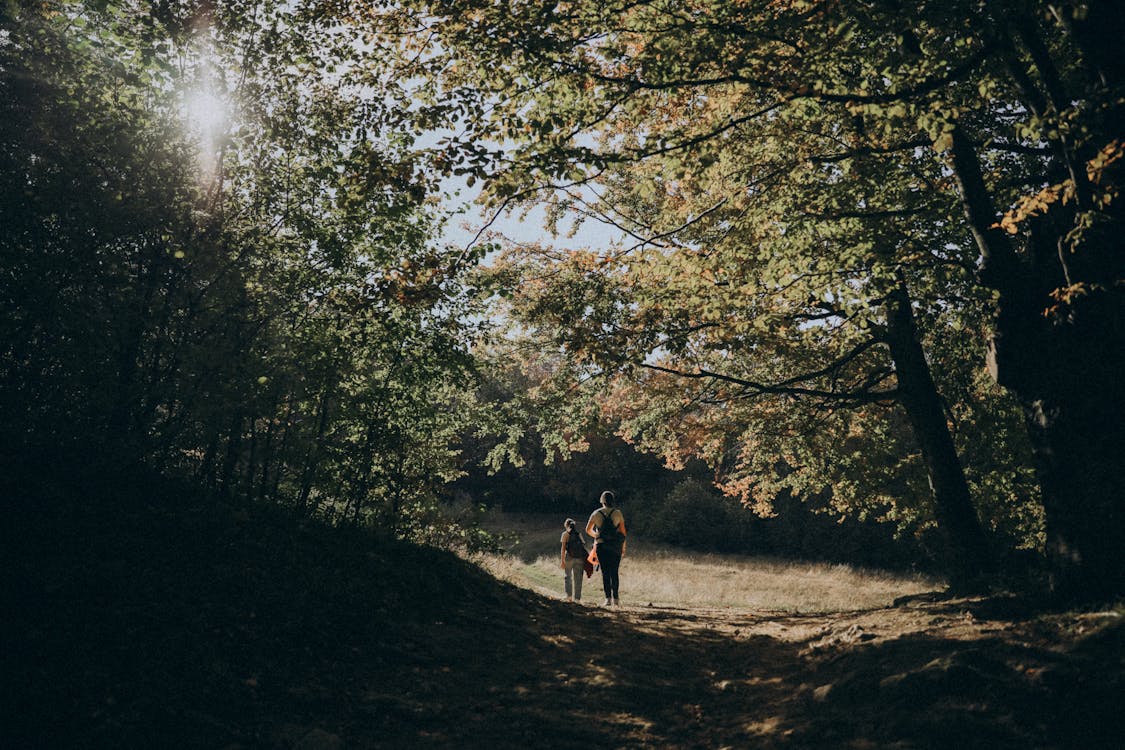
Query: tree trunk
x: 957, y: 520
x: 282, y: 452
x: 312, y: 456
x: 247, y: 484
x: 1065, y: 361
x: 1097, y: 31
x: 365, y: 474
x: 230, y: 462
x: 206, y: 473
x: 267, y: 454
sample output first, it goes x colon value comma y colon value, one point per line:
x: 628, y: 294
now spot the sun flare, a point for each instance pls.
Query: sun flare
x: 205, y: 112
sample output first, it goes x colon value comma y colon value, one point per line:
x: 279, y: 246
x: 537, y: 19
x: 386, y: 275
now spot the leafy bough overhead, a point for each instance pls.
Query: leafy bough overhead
x: 868, y: 150
x: 282, y: 326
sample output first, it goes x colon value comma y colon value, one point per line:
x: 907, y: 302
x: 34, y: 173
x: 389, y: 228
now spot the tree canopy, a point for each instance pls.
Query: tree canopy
x: 824, y: 197
x: 869, y: 252
x: 217, y: 259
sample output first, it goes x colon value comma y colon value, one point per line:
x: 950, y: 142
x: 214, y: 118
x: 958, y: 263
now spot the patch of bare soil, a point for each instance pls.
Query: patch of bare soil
x: 152, y: 628
x: 929, y: 673
x: 954, y: 673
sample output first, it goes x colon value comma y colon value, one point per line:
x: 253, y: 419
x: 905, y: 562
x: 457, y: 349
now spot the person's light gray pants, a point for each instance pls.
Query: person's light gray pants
x: 574, y: 569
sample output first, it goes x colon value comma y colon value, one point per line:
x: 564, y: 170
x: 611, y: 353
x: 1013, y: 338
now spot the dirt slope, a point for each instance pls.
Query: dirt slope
x: 211, y: 628
x: 928, y: 674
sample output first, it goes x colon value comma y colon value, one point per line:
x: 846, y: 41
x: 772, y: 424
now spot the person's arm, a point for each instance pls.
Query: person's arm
x: 590, y: 526
x: 624, y: 534
x: 565, y: 539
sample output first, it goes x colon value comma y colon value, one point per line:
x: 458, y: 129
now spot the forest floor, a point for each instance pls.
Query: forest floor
x: 215, y: 628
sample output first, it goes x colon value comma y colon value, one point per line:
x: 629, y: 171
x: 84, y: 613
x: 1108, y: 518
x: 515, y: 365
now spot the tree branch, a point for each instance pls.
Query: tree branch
x: 787, y: 389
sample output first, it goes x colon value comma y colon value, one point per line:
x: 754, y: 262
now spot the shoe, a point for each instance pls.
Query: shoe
x: 607, y: 603
x: 617, y: 602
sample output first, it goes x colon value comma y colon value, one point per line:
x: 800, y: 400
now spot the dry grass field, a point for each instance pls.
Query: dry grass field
x: 666, y: 577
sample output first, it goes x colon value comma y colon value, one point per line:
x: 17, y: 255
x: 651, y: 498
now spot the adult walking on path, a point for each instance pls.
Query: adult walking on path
x: 607, y: 527
x: 573, y: 560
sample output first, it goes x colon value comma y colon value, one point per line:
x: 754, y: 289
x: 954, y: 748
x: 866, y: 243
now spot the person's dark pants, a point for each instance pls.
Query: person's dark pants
x: 610, y: 562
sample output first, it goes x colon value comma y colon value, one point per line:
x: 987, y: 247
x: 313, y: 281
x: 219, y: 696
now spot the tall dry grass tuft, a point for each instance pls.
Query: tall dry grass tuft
x: 663, y: 576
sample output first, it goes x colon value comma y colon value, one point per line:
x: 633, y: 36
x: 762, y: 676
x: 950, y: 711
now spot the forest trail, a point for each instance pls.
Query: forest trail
x: 278, y: 636
x: 929, y: 673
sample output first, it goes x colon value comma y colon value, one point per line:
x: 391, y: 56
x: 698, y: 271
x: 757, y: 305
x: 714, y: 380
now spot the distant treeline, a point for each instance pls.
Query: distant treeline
x: 683, y: 508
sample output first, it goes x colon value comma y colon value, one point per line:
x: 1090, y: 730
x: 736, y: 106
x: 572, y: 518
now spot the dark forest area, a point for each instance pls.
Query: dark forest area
x: 295, y: 295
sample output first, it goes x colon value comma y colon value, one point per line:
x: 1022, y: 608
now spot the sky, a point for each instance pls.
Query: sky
x: 530, y: 227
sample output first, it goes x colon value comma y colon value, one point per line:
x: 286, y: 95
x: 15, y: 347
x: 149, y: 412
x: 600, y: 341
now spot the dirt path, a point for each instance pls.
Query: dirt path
x: 958, y: 673
x: 925, y: 674
x: 153, y: 628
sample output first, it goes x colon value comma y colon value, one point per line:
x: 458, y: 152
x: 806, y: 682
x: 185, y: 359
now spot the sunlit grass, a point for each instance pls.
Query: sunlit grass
x: 664, y: 576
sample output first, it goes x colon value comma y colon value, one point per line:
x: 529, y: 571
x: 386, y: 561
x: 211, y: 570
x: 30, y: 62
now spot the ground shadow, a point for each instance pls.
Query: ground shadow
x: 209, y: 629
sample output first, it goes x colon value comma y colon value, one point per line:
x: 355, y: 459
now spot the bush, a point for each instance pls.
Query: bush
x: 694, y: 515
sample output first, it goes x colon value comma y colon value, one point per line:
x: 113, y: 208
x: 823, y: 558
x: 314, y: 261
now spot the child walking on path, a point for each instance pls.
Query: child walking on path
x: 573, y: 560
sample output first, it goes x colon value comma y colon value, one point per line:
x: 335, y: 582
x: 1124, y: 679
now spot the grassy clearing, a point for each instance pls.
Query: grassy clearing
x: 664, y: 576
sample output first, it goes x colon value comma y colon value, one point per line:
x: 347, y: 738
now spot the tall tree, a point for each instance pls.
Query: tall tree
x: 1011, y: 99
x: 215, y: 258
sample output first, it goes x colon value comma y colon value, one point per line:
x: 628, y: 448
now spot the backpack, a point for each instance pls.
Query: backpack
x: 608, y: 533
x: 574, y: 545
